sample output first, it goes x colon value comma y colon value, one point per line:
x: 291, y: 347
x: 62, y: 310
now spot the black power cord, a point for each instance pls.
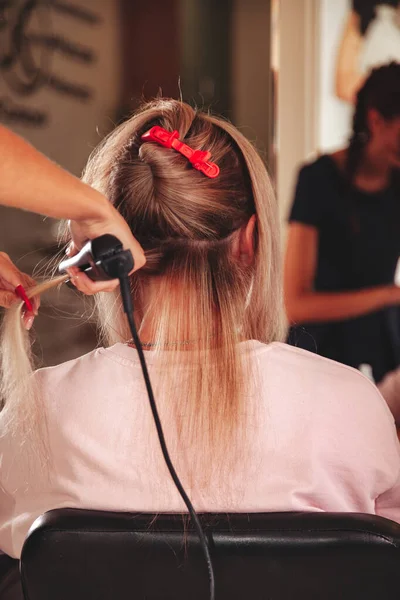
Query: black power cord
x: 128, y: 308
x: 104, y: 258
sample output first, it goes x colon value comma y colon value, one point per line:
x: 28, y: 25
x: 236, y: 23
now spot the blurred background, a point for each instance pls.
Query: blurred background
x: 71, y: 70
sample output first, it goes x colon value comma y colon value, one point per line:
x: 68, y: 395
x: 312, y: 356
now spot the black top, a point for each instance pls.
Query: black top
x: 359, y: 245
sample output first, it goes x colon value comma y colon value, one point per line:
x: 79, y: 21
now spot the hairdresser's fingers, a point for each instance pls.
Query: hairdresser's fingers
x: 7, y: 298
x: 85, y: 285
x: 71, y: 249
x: 35, y: 305
x: 10, y: 276
x: 28, y: 283
x: 28, y: 320
x: 113, y: 224
x: 94, y: 287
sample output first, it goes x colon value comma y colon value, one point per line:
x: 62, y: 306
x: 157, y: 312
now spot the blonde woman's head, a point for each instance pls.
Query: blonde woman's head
x: 189, y: 224
x: 212, y: 279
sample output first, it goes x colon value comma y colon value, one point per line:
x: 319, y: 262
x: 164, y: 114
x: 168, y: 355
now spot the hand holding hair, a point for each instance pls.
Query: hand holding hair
x: 10, y: 279
x: 81, y: 231
x: 30, y: 181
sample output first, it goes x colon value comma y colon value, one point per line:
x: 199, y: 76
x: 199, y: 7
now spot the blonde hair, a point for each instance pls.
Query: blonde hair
x: 21, y: 405
x: 185, y: 222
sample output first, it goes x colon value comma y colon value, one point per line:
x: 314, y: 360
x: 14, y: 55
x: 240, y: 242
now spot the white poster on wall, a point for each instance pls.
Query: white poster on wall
x: 356, y: 36
x: 60, y: 74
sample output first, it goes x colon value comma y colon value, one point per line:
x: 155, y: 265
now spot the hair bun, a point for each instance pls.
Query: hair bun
x: 154, y: 156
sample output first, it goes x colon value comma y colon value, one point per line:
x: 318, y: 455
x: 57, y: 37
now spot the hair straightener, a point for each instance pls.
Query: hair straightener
x: 104, y: 258
x: 101, y: 259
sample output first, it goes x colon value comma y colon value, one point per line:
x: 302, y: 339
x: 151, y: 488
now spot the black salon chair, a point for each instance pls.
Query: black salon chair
x: 86, y: 555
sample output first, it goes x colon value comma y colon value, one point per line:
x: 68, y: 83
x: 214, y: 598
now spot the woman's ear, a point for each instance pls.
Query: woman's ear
x: 243, y: 249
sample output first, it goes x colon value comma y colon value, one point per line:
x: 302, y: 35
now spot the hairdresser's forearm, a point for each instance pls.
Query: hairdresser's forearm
x: 313, y: 307
x: 30, y: 181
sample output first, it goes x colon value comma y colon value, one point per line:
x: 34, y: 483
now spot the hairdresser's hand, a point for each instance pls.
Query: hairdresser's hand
x: 10, y: 278
x: 82, y: 231
x: 393, y: 295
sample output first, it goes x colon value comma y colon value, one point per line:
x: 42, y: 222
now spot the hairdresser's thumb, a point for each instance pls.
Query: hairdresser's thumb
x: 7, y: 298
x: 28, y: 322
x: 71, y: 249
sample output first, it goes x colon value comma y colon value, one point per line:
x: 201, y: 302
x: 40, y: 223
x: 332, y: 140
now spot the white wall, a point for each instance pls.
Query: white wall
x: 297, y: 100
x: 251, y: 94
x: 334, y: 121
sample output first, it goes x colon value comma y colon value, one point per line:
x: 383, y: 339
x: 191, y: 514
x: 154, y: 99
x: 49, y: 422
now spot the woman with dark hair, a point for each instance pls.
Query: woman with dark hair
x: 371, y: 38
x: 344, y: 238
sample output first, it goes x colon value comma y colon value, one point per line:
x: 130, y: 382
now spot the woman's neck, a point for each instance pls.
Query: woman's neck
x: 178, y: 331
x: 374, y: 166
x: 149, y: 341
x: 373, y: 172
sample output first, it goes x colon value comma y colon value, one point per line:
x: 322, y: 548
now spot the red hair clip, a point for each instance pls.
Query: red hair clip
x: 21, y: 293
x: 198, y: 158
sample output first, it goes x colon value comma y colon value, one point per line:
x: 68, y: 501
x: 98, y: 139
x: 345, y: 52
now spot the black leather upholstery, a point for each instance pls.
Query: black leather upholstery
x: 84, y: 555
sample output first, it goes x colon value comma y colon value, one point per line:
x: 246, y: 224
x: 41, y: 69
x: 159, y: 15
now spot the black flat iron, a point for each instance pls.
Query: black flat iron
x: 102, y: 258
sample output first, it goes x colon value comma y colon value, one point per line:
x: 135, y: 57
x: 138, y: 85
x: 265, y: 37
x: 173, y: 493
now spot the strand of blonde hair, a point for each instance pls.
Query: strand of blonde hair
x: 21, y: 401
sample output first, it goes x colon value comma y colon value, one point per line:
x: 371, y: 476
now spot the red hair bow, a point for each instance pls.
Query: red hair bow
x: 198, y: 158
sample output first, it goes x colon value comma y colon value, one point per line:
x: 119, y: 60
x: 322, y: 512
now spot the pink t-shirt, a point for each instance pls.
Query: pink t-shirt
x: 389, y: 387
x: 324, y: 440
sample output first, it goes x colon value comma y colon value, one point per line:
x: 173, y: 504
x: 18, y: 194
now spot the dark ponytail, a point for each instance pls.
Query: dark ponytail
x: 359, y: 136
x: 380, y: 91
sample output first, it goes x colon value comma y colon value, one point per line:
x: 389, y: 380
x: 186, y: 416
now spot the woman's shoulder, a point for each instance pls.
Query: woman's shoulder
x: 99, y: 373
x: 321, y: 177
x: 303, y: 372
x: 82, y: 367
x: 325, y: 165
x: 315, y: 365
